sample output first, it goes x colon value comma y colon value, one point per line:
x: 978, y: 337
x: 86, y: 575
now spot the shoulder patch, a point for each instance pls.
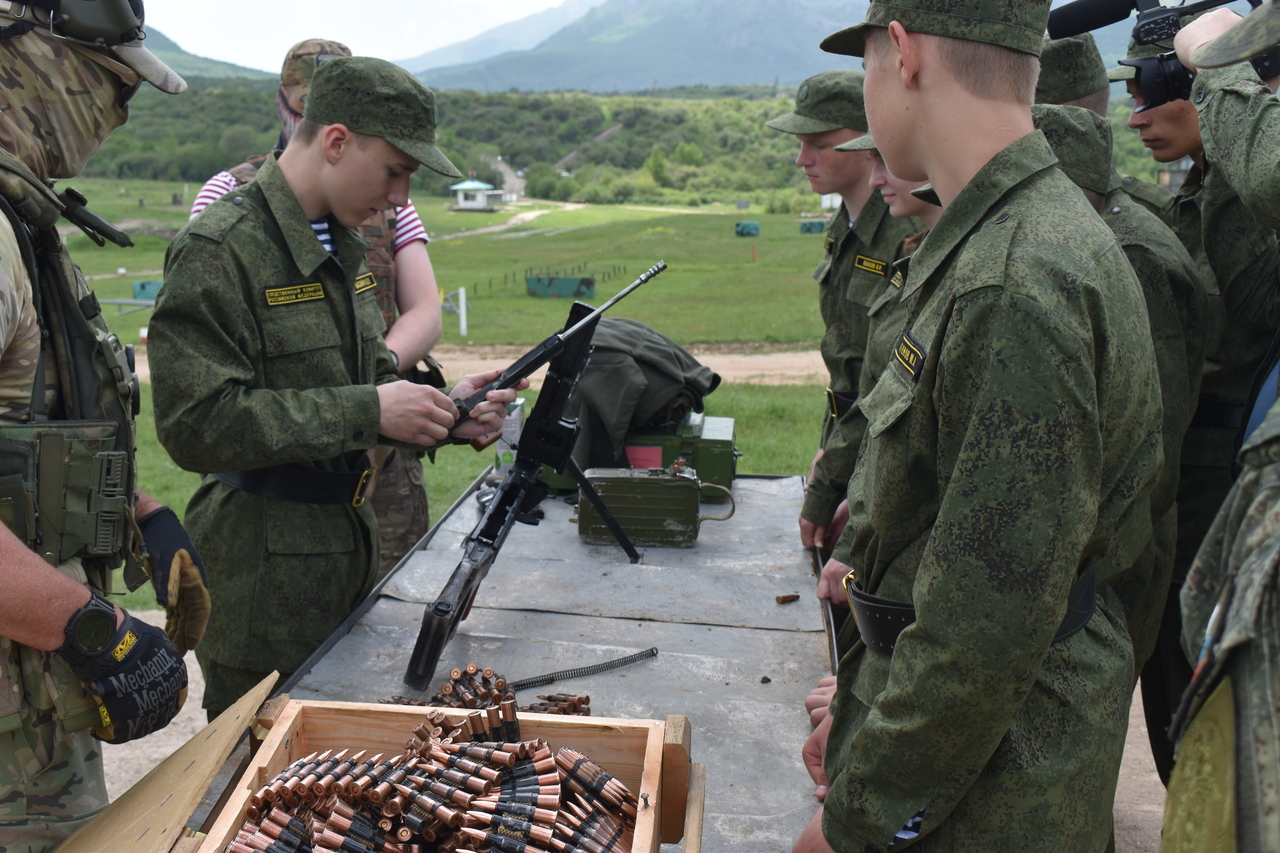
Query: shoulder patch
x: 292, y: 293
x: 365, y: 282
x: 217, y: 219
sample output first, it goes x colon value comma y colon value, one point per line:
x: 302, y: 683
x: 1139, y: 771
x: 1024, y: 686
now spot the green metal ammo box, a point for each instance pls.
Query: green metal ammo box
x: 657, y: 507
x: 705, y: 443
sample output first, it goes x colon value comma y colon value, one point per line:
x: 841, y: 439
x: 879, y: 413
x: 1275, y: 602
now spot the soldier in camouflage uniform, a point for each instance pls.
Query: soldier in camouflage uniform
x: 59, y: 103
x: 271, y: 376
x: 859, y: 250
x: 1239, y: 259
x: 1004, y: 481
x: 406, y: 292
x: 1178, y: 308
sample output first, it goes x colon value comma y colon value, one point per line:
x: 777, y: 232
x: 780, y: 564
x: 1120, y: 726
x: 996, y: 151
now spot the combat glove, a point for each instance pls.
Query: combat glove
x: 134, y: 672
x: 179, y: 578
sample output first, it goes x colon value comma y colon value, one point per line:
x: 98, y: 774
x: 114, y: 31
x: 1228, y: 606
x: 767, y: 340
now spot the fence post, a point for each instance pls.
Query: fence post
x: 462, y: 311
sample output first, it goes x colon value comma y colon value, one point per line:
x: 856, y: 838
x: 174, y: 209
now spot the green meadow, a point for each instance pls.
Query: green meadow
x: 718, y: 289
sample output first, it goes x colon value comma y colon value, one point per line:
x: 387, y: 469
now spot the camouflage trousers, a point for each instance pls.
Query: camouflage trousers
x: 51, y: 781
x: 400, y: 501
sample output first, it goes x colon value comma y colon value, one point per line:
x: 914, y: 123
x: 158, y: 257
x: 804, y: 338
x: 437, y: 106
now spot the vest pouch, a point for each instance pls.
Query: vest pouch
x: 10, y: 687
x: 80, y: 485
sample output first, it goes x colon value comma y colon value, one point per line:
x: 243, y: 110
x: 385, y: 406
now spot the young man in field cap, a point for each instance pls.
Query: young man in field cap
x: 861, y: 240
x: 1004, y: 481
x: 271, y: 376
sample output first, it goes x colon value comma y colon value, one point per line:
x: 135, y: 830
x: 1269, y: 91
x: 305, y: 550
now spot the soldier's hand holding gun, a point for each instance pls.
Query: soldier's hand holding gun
x: 420, y: 414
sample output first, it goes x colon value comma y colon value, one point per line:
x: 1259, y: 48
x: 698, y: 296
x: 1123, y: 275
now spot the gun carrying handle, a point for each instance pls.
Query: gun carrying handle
x: 733, y: 506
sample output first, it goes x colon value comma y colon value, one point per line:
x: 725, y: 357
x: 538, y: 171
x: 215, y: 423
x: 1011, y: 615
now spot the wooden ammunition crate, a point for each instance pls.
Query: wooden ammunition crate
x: 651, y: 757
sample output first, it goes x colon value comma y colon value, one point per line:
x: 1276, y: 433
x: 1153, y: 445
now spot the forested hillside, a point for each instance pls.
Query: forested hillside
x: 690, y: 146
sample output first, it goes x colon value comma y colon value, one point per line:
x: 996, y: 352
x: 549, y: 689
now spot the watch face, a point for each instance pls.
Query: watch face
x: 94, y: 630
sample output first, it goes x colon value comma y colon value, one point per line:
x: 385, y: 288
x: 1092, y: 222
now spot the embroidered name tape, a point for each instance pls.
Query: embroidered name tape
x: 295, y: 293
x: 910, y: 354
x: 365, y: 282
x: 862, y: 262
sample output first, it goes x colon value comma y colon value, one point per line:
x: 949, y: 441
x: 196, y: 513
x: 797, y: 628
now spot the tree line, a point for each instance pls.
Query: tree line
x: 690, y: 147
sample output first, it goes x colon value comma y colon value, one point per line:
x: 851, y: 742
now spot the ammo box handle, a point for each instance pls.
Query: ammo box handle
x: 732, y: 505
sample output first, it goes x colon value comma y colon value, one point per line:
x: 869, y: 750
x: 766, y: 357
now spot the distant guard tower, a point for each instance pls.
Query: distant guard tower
x: 475, y: 195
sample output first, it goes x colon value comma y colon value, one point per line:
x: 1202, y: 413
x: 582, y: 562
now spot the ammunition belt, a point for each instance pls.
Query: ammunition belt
x: 880, y: 620
x: 304, y: 485
x: 1210, y: 414
x: 839, y: 402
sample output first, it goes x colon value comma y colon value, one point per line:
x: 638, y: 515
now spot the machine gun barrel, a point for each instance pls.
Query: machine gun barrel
x: 545, y: 351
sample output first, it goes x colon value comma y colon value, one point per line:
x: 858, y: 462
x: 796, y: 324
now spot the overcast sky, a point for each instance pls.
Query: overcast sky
x: 258, y: 33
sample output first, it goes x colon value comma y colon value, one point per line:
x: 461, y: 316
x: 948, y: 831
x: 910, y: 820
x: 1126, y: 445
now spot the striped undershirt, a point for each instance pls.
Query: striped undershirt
x: 408, y: 225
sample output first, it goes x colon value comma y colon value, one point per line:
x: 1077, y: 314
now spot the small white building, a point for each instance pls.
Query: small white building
x: 475, y: 195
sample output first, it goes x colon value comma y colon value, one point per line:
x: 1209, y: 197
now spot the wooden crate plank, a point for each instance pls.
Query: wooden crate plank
x: 694, y: 812
x: 676, y: 752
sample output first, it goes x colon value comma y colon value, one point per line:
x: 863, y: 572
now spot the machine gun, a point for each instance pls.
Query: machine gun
x: 548, y: 438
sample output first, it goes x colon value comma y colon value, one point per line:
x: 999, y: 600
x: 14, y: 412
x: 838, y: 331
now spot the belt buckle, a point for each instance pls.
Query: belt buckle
x: 357, y: 497
x: 849, y: 580
x: 831, y: 402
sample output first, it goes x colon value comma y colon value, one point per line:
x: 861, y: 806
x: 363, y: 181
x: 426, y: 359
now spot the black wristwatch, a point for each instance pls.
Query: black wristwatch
x: 91, y: 628
x: 395, y: 359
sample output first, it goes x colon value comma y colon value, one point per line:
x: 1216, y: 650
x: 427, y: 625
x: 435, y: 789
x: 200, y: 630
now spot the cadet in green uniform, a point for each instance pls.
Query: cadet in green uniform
x: 885, y: 318
x: 73, y: 666
x: 1177, y: 305
x: 271, y: 376
x: 1238, y: 259
x: 1004, y: 481
x: 859, y: 250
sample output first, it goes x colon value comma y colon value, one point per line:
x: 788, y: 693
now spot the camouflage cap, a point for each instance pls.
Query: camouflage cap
x: 1016, y: 24
x: 79, y: 25
x: 303, y: 58
x: 1257, y: 33
x: 1070, y: 68
x: 374, y: 97
x: 1081, y: 140
x: 827, y: 101
x: 862, y: 143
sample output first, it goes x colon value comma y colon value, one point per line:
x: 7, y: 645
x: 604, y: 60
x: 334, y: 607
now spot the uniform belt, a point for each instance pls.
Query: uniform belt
x: 880, y: 620
x: 304, y: 485
x: 839, y: 402
x: 1210, y: 414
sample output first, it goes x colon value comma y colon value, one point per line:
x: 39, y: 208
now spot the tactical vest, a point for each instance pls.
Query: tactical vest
x: 67, y: 476
x: 379, y: 231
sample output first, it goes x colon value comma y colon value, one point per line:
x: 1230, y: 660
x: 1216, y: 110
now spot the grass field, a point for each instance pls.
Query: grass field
x: 718, y: 289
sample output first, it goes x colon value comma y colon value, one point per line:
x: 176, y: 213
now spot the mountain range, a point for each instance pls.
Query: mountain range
x: 637, y: 45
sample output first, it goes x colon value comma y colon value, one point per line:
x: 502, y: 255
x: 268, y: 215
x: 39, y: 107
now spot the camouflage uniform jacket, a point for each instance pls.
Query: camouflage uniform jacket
x: 850, y: 278
x: 1238, y: 570
x: 265, y: 350
x: 1012, y: 444
x: 1178, y: 307
x: 1239, y: 260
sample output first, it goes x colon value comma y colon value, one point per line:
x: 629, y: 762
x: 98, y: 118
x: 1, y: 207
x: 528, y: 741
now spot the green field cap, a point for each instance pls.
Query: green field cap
x: 862, y: 143
x: 374, y: 97
x: 1257, y: 33
x: 1070, y: 68
x: 1081, y: 140
x: 1016, y: 24
x: 827, y: 101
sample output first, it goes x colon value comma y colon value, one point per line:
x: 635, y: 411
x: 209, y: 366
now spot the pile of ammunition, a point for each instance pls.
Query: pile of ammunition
x: 475, y: 786
x: 474, y: 687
